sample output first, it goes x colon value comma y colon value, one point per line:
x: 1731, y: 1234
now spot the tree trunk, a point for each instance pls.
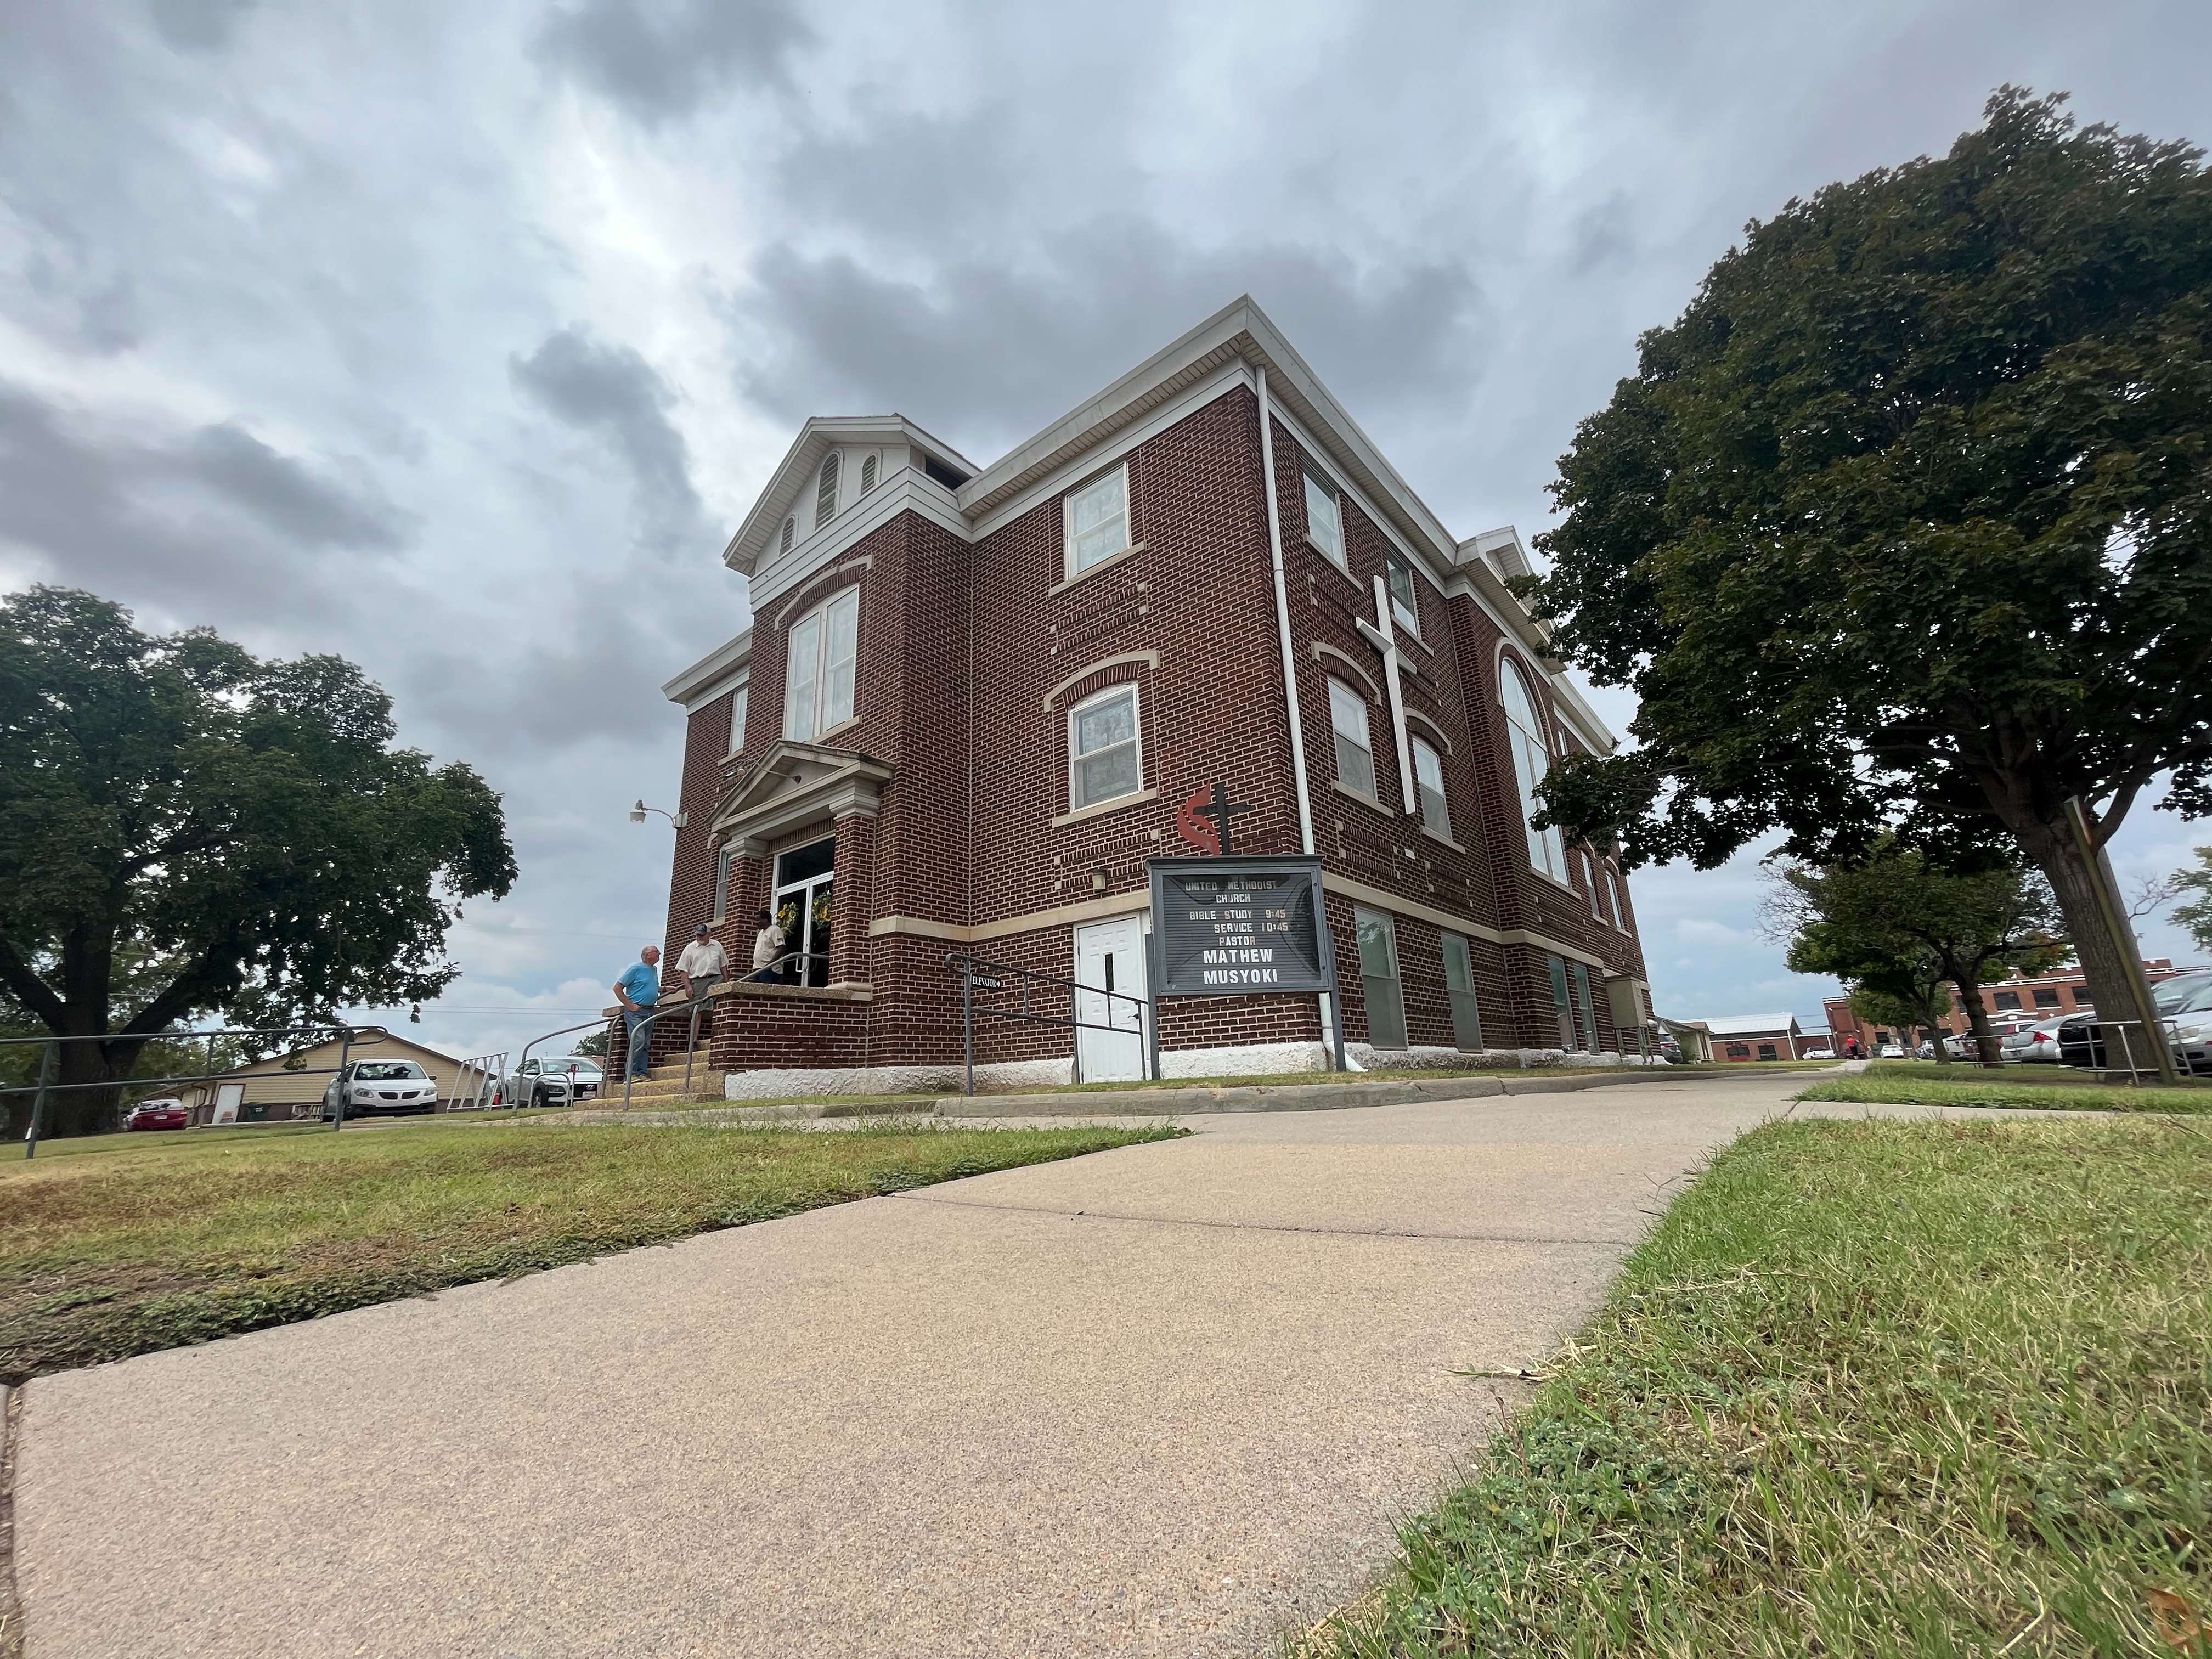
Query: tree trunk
x: 84, y: 1111
x: 1942, y: 1039
x: 1978, y: 1018
x: 2074, y: 883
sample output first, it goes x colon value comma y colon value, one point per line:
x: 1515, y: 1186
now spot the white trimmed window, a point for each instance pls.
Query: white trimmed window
x: 790, y: 530
x: 1103, y: 760
x: 1097, y: 523
x: 1428, y: 781
x: 1355, y: 750
x: 1532, y: 759
x: 1324, y: 520
x: 1405, y: 603
x: 818, y: 666
x: 868, y: 471
x: 825, y: 491
x: 1619, y: 899
x: 1589, y: 876
x: 738, y: 718
x: 722, y: 856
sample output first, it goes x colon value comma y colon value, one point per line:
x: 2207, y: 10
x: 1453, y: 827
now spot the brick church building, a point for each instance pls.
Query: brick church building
x: 974, y: 701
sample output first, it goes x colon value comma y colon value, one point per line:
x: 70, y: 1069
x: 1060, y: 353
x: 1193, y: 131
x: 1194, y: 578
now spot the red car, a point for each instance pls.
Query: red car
x: 156, y: 1115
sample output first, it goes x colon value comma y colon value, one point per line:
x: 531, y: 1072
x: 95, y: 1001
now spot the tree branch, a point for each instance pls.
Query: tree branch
x: 27, y: 988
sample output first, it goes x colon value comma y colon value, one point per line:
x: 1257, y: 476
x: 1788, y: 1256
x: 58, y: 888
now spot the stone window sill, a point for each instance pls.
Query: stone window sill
x: 1350, y: 793
x: 1106, y: 563
x: 1442, y: 840
x: 1099, y: 809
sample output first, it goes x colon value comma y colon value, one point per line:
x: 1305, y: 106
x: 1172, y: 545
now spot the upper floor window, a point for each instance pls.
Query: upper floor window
x: 1102, y: 756
x: 1355, y: 752
x: 2047, y: 997
x: 868, y: 471
x: 1532, y: 759
x: 1324, y: 519
x: 1619, y: 892
x: 1405, y: 604
x: 1429, y: 777
x: 825, y: 491
x: 1589, y: 876
x: 1098, y: 524
x: 2009, y: 999
x: 790, y: 529
x: 738, y: 718
x: 818, y: 666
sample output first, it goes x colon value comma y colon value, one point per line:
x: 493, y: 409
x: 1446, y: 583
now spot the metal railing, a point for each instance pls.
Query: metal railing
x: 2092, y: 1038
x: 980, y: 973
x: 347, y: 1036
x: 478, y: 1075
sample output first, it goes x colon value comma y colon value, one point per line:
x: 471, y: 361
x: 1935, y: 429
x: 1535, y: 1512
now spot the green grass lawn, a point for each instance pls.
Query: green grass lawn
x: 1872, y: 1387
x: 120, y: 1244
x: 2051, y: 1088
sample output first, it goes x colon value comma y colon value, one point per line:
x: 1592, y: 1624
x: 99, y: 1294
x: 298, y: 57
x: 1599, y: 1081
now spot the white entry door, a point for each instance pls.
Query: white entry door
x: 1109, y: 955
x: 226, y: 1098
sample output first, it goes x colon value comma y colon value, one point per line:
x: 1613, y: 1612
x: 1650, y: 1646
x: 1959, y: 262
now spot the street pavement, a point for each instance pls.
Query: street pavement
x: 1168, y: 1399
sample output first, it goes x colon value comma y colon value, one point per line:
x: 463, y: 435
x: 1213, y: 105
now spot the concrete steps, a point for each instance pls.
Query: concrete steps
x: 665, y: 1082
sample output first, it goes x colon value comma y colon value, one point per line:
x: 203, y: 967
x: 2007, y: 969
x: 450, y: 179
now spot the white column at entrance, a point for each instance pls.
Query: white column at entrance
x: 1383, y: 637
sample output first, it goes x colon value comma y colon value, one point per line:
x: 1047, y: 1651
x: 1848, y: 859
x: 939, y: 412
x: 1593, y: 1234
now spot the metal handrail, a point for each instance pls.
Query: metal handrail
x: 345, y: 1034
x: 966, y: 966
x: 524, y: 1059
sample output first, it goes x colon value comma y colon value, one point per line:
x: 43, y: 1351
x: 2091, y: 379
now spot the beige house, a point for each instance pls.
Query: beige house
x: 291, y: 1085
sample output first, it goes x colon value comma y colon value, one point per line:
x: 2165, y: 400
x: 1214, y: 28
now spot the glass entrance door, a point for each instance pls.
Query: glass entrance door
x: 803, y: 909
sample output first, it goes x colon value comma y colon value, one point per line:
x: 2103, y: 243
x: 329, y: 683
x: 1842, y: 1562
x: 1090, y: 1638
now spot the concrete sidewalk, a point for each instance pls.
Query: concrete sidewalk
x: 1163, y: 1400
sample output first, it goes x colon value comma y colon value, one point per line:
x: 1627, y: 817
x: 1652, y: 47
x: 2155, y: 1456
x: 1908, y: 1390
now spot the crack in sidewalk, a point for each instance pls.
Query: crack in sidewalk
x: 1260, y: 1226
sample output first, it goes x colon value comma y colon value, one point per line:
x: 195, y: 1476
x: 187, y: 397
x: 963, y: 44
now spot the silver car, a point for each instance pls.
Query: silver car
x: 2038, y: 1042
x: 380, y: 1085
x: 555, y: 1080
x: 2191, y: 1028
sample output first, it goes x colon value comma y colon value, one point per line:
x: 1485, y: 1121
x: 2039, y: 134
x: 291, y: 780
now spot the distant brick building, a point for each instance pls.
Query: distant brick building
x: 972, y: 699
x: 2010, y: 1002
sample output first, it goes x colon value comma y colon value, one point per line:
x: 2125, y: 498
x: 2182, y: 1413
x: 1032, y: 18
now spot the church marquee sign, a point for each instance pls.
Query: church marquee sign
x: 1239, y: 926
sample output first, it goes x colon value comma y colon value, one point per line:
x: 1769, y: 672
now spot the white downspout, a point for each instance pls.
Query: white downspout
x: 1329, y: 1014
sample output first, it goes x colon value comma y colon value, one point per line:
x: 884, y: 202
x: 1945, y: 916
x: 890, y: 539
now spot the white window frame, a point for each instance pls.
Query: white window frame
x: 1590, y: 875
x: 739, y: 696
x: 832, y: 473
x: 1322, y: 491
x: 1340, y: 737
x: 723, y: 854
x: 1075, y: 801
x: 814, y: 697
x: 1407, y: 611
x: 1532, y: 759
x: 1368, y: 922
x: 1620, y: 894
x: 1117, y: 476
x: 871, y: 470
x: 1424, y: 750
x: 790, y: 533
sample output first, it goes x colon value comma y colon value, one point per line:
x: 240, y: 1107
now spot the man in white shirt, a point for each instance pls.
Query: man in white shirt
x: 703, y: 963
x: 767, y: 946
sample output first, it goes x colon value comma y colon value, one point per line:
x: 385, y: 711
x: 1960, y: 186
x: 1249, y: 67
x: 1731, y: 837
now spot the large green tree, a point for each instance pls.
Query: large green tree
x: 2196, y: 914
x: 1906, y: 522
x: 1900, y: 926
x: 185, y: 829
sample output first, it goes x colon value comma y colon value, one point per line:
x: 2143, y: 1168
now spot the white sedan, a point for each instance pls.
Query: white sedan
x: 380, y: 1085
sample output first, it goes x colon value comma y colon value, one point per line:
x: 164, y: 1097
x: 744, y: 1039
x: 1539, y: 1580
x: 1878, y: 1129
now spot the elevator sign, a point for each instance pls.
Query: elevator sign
x: 1240, y: 927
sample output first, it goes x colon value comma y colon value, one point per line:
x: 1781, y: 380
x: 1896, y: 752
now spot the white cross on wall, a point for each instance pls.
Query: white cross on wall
x: 1383, y: 636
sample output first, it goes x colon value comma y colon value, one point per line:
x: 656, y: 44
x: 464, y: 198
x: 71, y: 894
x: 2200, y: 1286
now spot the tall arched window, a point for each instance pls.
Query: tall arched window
x: 1531, y: 758
x: 825, y: 491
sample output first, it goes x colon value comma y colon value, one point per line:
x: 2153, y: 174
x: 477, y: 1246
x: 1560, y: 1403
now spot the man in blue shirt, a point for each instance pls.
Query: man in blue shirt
x: 638, y: 989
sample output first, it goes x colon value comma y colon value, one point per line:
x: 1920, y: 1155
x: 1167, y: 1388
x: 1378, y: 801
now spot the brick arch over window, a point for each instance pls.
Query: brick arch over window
x: 1415, y: 717
x: 1325, y: 653
x: 1099, y: 675
x: 820, y: 585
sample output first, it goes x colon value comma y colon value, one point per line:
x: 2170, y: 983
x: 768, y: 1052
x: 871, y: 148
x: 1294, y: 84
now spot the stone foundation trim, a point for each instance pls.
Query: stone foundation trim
x: 1109, y: 904
x: 1383, y: 899
x: 1253, y: 1059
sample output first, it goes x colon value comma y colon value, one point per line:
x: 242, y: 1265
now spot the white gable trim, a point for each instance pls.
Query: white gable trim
x: 905, y: 491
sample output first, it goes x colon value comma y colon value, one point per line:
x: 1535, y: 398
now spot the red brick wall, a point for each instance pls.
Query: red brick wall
x: 960, y: 646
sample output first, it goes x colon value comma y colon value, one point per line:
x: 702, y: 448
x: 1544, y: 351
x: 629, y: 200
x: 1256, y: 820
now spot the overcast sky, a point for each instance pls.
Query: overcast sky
x: 457, y: 337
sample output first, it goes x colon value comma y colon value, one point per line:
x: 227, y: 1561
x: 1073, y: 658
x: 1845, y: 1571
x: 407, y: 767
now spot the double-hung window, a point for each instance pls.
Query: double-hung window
x: 1098, y: 520
x: 1378, y: 977
x: 738, y: 718
x: 1325, y: 519
x: 1404, y: 604
x: 1563, y: 1007
x: 722, y: 878
x: 818, y: 666
x: 1619, y: 899
x: 1585, y: 1008
x: 1532, y: 759
x: 1103, y: 757
x: 1589, y: 876
x: 1355, y: 752
x: 1429, y: 778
